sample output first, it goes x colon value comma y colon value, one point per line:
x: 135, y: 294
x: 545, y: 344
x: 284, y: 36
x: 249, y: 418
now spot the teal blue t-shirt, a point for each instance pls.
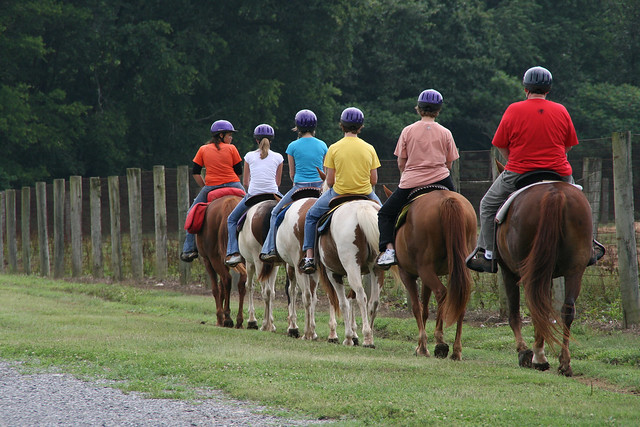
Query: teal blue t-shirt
x: 308, y: 153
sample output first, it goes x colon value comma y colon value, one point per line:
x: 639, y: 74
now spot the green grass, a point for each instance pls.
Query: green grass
x: 165, y: 344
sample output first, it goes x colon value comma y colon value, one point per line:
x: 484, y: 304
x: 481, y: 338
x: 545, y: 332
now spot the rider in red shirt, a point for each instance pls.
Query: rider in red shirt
x: 533, y: 134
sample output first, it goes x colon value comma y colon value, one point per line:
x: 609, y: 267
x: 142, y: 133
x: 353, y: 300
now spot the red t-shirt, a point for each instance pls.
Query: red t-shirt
x: 536, y: 132
x: 218, y: 163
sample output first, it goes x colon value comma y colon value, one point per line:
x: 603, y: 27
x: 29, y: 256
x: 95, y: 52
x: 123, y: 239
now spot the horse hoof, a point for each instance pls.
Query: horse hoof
x: 524, y: 358
x: 441, y: 351
x: 294, y: 333
x: 369, y: 346
x: 333, y: 341
x: 456, y: 356
x: 421, y: 352
x: 565, y: 370
x: 355, y: 341
x: 541, y: 366
x: 252, y: 325
x: 228, y: 324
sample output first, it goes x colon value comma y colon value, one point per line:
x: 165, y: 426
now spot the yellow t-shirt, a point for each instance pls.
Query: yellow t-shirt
x: 353, y: 160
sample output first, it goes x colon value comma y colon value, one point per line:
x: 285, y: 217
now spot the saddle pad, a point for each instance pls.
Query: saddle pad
x: 224, y: 191
x: 254, y: 200
x: 402, y: 216
x: 502, y: 212
x: 195, y: 218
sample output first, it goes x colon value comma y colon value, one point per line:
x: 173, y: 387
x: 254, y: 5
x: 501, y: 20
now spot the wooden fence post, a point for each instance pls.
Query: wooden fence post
x: 184, y: 201
x: 625, y: 230
x: 12, y: 245
x: 160, y: 208
x: 134, y: 183
x: 95, y: 193
x: 592, y: 179
x: 75, y: 215
x: 604, y: 205
x: 58, y: 227
x: 455, y: 174
x: 116, y: 238
x: 25, y: 227
x: 2, y: 203
x: 43, y: 233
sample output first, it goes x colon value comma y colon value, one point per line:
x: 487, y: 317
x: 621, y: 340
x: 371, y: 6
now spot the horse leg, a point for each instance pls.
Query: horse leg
x: 226, y: 298
x: 376, y: 280
x: 572, y: 290
x: 353, y: 303
x: 241, y: 281
x: 345, y: 307
x: 512, y: 290
x: 252, y: 322
x: 216, y: 291
x: 355, y: 281
x: 268, y: 294
x: 307, y: 302
x: 333, y: 325
x: 411, y: 285
x: 539, y: 360
x: 292, y: 291
x: 457, y: 345
x: 431, y: 281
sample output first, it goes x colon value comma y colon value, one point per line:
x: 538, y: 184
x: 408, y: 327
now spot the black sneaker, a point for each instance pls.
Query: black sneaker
x: 189, y: 256
x: 308, y: 265
x: 482, y: 265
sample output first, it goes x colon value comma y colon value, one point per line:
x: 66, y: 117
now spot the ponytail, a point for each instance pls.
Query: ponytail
x: 264, y: 145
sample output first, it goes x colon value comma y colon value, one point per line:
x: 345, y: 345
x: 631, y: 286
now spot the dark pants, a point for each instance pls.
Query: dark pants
x: 389, y: 211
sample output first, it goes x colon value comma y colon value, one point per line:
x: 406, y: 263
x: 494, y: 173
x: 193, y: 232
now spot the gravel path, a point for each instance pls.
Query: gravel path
x: 61, y: 400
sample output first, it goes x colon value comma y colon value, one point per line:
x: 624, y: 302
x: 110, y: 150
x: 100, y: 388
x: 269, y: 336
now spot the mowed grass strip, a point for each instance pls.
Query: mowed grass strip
x: 165, y: 344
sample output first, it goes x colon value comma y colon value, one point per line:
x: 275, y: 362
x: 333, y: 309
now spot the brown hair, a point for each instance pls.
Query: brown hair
x: 264, y: 145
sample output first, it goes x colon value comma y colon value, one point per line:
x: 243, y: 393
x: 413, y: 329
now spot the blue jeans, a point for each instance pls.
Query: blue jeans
x: 190, y: 240
x: 270, y: 242
x: 319, y: 208
x: 232, y: 225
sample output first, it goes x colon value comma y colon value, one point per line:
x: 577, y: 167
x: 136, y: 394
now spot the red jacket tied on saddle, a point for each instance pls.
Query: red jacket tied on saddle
x: 195, y: 217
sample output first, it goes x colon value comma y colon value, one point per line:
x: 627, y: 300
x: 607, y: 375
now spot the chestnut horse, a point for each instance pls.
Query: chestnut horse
x: 212, y: 248
x: 250, y: 242
x: 435, y: 239
x: 546, y: 233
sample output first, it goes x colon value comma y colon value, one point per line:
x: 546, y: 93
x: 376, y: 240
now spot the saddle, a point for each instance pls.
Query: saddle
x: 195, y: 217
x: 300, y: 193
x: 254, y: 200
x: 525, y: 181
x: 335, y: 203
x: 415, y: 194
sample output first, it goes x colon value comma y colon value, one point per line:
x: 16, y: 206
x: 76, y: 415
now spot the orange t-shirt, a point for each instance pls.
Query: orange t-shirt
x: 218, y: 163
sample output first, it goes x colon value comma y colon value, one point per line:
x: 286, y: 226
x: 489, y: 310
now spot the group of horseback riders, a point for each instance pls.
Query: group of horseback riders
x: 534, y: 134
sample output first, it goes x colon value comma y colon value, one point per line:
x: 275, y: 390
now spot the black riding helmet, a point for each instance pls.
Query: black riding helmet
x: 537, y: 80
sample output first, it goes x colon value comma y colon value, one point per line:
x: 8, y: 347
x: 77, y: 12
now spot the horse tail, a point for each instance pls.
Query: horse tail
x: 265, y: 271
x: 328, y: 288
x: 453, y: 222
x: 536, y: 271
x: 368, y: 222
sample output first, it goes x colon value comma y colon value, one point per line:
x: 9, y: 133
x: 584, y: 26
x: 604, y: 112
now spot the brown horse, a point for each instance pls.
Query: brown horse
x: 212, y: 247
x: 545, y: 234
x: 438, y: 234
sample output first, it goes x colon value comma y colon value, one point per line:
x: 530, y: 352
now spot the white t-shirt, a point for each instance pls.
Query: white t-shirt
x: 263, y: 172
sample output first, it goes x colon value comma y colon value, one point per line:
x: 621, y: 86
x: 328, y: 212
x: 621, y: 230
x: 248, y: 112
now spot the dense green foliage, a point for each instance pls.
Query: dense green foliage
x: 92, y: 87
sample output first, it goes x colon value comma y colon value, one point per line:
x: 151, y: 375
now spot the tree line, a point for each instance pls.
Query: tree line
x: 92, y: 87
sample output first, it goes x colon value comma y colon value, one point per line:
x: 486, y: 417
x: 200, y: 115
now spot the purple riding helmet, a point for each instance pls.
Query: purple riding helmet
x: 352, y: 115
x: 306, y: 120
x: 263, y: 131
x: 430, y: 100
x: 222, y: 126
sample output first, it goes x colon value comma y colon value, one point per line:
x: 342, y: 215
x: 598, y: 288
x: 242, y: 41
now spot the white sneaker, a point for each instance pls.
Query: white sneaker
x: 387, y: 258
x: 233, y: 260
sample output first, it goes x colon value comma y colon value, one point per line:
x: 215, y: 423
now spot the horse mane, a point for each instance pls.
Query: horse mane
x: 536, y: 272
x: 459, y: 278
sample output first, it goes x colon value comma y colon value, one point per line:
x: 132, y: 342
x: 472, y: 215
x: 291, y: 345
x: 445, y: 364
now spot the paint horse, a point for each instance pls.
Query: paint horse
x: 546, y: 233
x: 252, y: 234
x: 349, y: 247
x: 211, y: 241
x: 438, y: 232
x: 289, y: 240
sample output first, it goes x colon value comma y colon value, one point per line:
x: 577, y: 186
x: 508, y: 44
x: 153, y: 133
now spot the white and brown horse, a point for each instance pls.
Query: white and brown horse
x: 250, y: 240
x: 350, y: 248
x: 289, y: 240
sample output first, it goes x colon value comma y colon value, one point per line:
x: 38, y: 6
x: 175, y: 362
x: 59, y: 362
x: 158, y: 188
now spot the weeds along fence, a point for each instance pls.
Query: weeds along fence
x: 131, y: 226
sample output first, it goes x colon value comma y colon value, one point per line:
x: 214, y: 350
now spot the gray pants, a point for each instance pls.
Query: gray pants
x: 499, y: 191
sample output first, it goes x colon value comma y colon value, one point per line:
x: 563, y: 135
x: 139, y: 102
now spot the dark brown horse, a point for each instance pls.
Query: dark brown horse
x: 212, y: 247
x: 545, y: 234
x: 438, y: 234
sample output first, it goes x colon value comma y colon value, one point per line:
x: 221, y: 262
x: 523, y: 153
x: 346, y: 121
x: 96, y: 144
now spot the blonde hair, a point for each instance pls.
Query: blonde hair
x: 264, y: 146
